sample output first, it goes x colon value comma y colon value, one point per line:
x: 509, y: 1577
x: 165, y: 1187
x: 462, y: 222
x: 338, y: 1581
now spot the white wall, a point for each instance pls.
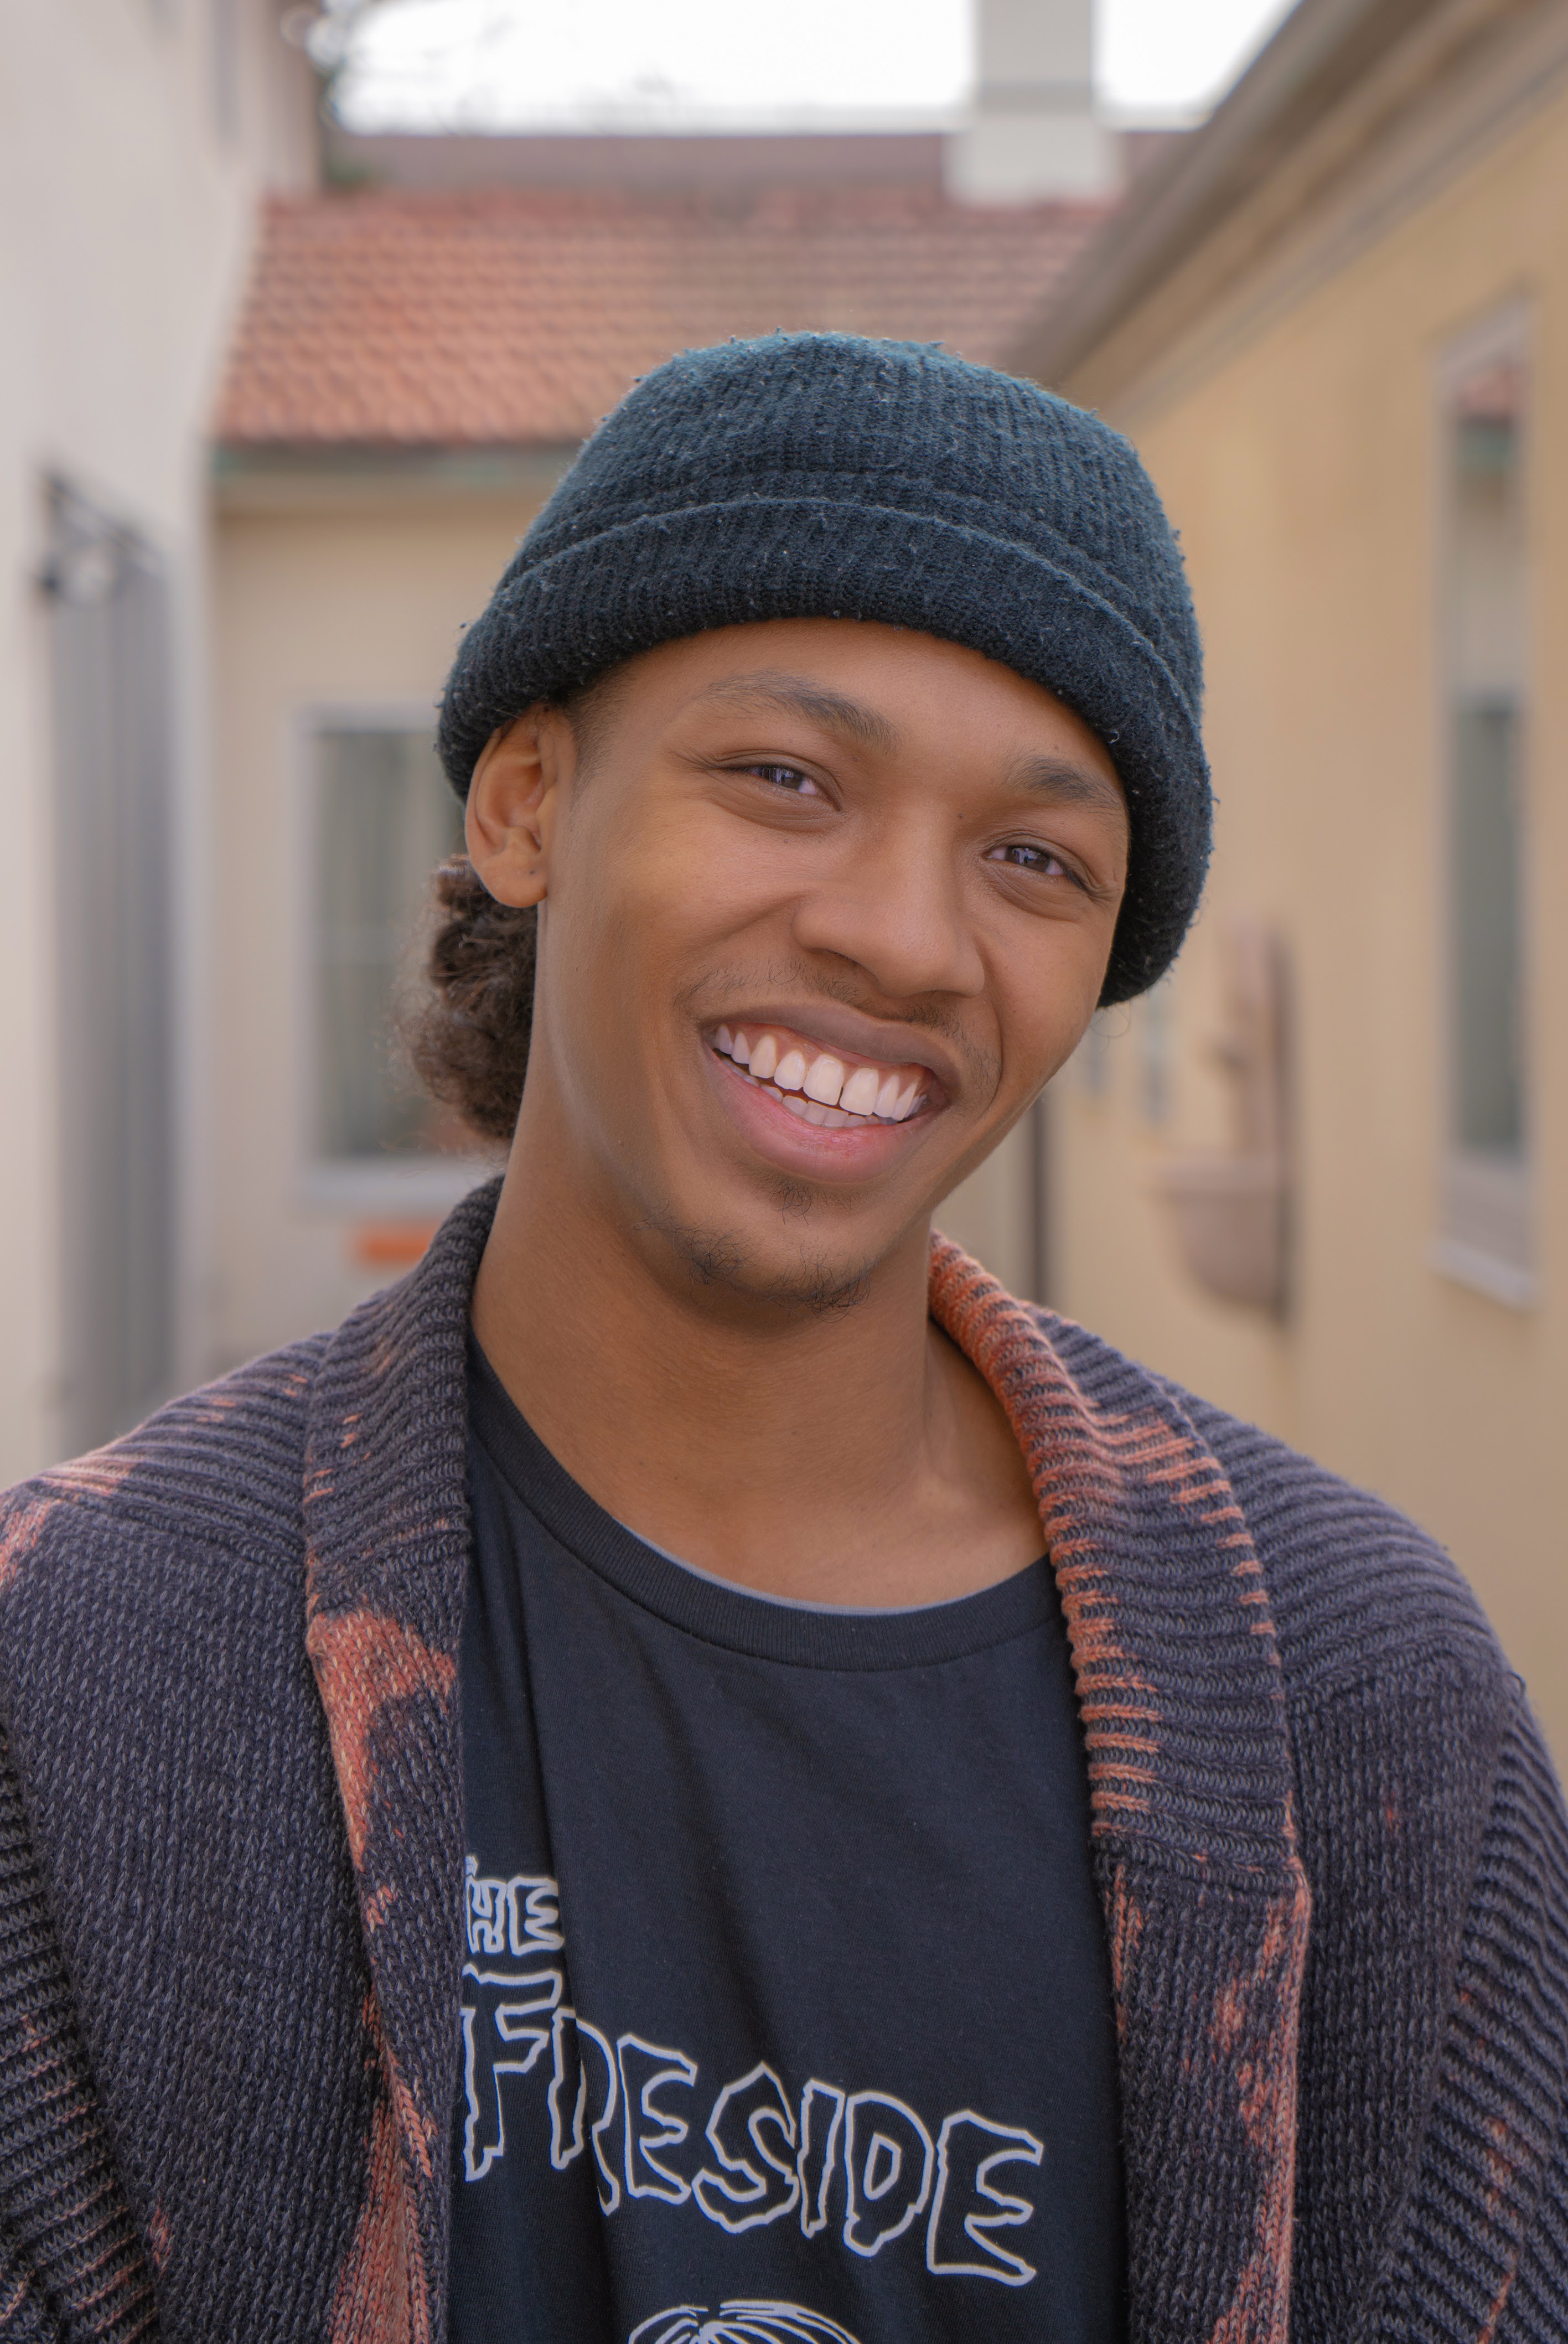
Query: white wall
x: 127, y: 191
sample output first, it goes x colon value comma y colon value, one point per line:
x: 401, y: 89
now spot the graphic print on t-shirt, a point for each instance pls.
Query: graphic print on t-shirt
x: 856, y: 2166
x: 741, y: 2323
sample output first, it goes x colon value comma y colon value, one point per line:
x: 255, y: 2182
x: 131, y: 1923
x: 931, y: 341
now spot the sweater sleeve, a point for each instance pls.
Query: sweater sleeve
x: 1482, y: 2254
x: 25, y: 2317
x: 70, y: 2259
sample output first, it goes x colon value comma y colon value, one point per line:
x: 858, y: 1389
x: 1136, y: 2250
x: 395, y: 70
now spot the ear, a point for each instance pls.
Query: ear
x: 511, y: 807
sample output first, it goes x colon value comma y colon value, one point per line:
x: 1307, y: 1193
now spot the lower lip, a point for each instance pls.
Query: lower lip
x: 843, y: 1152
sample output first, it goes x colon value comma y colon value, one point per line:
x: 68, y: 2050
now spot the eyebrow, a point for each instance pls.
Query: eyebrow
x: 1060, y: 779
x: 1068, y: 783
x: 800, y: 697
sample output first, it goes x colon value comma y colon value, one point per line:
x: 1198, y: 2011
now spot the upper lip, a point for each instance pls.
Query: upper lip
x: 836, y: 1027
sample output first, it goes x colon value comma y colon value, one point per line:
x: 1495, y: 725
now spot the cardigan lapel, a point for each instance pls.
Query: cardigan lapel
x: 1180, y: 1692
x: 1190, y: 1776
x: 387, y: 1534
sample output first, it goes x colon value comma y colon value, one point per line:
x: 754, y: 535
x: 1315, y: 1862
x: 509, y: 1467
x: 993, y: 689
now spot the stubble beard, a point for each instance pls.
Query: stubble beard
x: 717, y: 1262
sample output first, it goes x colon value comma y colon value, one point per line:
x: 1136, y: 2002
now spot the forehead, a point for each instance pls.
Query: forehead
x: 885, y: 692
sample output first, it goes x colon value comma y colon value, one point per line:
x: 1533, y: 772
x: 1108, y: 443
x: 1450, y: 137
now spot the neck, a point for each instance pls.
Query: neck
x: 848, y: 1454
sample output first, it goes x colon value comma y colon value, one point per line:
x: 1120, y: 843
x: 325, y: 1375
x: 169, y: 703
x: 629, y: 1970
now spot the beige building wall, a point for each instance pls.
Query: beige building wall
x: 993, y: 1213
x: 1292, y: 428
x: 130, y: 151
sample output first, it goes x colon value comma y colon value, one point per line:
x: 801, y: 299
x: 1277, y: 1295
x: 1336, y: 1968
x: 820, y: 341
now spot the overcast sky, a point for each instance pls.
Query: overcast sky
x: 506, y: 64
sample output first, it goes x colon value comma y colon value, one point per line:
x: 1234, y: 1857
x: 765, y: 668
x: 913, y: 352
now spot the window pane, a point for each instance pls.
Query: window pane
x: 1485, y: 738
x: 385, y: 818
x: 1489, y: 1098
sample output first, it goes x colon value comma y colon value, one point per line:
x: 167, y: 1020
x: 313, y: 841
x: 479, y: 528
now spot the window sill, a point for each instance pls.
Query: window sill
x: 1500, y: 1281
x: 416, y: 1186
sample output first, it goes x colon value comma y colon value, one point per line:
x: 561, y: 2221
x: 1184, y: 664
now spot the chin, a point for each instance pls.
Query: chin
x: 797, y: 1280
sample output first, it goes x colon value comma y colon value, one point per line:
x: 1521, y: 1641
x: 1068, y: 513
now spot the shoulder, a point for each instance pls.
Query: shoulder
x: 1358, y: 1590
x: 1360, y: 1593
x: 218, y: 1471
x: 152, y: 1612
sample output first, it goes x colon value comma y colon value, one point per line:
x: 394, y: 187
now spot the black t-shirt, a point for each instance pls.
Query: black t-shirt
x: 787, y: 2007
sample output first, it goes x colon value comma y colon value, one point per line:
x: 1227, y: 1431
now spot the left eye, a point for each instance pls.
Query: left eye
x: 786, y: 777
x: 1029, y: 858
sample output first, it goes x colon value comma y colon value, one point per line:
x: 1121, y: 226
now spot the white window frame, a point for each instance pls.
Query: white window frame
x: 1486, y: 1235
x: 405, y: 1187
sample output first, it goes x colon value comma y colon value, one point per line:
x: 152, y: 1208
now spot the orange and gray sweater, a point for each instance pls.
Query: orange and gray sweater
x: 1330, y: 1847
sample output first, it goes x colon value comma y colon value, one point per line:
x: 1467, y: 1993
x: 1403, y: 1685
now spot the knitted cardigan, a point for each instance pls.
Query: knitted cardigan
x: 1328, y: 1845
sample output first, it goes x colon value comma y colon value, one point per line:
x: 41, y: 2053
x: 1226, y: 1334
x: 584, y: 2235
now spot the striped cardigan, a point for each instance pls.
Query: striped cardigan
x: 1330, y: 1848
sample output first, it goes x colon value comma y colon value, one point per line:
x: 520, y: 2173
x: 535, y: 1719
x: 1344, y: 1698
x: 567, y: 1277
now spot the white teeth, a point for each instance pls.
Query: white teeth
x: 823, y: 1092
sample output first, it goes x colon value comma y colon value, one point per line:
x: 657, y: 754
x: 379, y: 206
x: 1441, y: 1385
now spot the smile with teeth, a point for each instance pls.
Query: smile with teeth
x: 817, y: 1085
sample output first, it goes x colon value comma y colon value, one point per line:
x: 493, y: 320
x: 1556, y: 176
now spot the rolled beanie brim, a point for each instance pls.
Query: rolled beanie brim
x: 891, y: 482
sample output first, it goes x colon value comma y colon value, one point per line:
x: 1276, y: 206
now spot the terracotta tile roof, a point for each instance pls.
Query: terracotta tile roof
x: 509, y: 316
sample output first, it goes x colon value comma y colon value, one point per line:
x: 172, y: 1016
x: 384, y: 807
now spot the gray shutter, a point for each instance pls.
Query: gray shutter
x: 113, y: 847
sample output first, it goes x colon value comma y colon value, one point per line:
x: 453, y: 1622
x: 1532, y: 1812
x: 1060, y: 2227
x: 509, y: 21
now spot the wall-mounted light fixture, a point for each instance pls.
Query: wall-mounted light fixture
x: 1230, y: 1206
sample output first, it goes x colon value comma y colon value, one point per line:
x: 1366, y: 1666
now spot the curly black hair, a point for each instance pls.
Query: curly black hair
x: 467, y: 1034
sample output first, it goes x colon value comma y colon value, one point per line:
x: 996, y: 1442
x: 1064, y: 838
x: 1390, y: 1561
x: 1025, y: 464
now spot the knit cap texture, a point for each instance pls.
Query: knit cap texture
x: 828, y: 476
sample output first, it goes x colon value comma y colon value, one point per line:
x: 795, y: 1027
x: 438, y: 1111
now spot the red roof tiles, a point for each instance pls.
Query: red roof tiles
x: 508, y: 316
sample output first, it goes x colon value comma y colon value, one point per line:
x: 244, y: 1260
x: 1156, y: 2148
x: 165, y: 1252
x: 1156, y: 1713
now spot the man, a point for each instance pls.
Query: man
x: 696, y: 1770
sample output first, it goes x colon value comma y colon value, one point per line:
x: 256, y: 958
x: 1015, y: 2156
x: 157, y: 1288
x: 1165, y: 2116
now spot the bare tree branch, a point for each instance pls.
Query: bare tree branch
x: 326, y: 30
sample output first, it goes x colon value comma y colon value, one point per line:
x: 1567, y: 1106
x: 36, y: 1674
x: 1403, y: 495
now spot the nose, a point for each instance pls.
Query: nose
x: 894, y: 906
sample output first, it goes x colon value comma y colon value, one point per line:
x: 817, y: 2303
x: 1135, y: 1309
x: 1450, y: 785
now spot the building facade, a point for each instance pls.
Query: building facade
x: 1322, y: 1174
x: 134, y: 135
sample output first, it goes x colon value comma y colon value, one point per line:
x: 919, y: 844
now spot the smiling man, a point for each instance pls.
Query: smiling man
x: 835, y: 899
x: 696, y: 1773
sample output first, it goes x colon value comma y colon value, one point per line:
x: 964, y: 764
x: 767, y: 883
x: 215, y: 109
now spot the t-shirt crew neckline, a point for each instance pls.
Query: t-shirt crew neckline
x: 800, y: 1635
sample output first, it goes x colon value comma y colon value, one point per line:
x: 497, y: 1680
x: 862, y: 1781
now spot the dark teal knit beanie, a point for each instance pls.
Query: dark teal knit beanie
x: 824, y: 476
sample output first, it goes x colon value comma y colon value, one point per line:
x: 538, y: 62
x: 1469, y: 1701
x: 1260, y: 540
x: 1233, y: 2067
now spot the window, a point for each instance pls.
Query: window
x: 383, y: 817
x: 109, y: 645
x: 1485, y: 1233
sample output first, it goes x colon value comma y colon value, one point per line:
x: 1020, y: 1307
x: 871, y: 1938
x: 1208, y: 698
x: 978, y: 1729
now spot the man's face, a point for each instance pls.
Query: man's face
x: 827, y: 904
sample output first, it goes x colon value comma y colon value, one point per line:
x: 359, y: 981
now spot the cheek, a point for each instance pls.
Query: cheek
x: 580, y: 973
x: 632, y: 904
x: 604, y: 874
x: 1043, y: 1017
x: 692, y: 881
